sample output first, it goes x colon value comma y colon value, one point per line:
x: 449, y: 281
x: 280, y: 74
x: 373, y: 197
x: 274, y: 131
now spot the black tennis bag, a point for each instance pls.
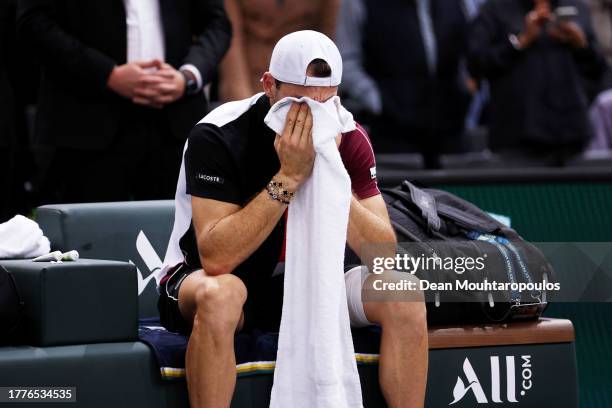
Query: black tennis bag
x: 436, y: 224
x: 11, y: 306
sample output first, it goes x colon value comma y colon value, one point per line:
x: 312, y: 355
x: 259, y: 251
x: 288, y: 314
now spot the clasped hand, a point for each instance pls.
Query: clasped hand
x: 148, y: 83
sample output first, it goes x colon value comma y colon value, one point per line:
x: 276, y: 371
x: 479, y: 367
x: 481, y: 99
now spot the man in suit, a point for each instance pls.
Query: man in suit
x: 403, y: 73
x: 121, y: 86
x: 7, y: 115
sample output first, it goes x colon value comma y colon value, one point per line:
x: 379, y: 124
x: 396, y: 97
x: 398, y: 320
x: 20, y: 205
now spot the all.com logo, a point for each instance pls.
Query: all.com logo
x: 473, y: 385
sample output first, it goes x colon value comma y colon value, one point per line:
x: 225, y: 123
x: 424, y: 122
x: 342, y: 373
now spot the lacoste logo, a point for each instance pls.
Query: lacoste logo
x: 209, y: 178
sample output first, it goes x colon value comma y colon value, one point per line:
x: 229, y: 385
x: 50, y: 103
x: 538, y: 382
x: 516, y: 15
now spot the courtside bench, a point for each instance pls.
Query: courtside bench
x: 90, y: 340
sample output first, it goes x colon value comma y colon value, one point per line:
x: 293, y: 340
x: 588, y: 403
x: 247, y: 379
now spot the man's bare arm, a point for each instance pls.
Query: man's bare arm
x: 228, y: 234
x: 369, y: 224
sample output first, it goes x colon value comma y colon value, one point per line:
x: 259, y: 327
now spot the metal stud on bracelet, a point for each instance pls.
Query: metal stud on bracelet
x: 277, y: 192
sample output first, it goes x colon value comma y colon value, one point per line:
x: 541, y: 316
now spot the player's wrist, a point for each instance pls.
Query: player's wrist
x: 291, y: 184
x: 279, y: 191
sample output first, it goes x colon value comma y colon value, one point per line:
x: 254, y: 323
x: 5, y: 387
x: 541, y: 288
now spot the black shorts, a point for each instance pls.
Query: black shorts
x: 262, y: 309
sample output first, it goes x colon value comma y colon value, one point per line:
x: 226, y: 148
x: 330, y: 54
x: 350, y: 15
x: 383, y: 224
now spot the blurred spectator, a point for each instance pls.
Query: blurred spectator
x: 7, y: 115
x: 120, y: 89
x: 20, y: 71
x: 601, y: 17
x: 476, y: 114
x: 534, y: 62
x: 601, y: 118
x: 601, y: 109
x: 402, y: 65
x: 256, y: 27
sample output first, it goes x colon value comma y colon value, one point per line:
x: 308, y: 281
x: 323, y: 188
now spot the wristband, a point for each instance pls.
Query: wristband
x: 277, y: 192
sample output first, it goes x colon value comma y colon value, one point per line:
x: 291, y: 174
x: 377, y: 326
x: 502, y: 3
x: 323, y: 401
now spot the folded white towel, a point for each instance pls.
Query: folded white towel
x: 315, y: 365
x: 20, y: 237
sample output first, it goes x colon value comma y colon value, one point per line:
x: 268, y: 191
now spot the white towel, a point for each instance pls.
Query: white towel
x: 315, y: 365
x: 20, y: 237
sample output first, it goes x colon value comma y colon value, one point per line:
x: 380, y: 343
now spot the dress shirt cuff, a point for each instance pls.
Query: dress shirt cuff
x: 196, y: 73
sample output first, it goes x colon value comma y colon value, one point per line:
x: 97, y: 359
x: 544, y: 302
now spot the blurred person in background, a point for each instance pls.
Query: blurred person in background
x: 476, y: 117
x: 403, y: 70
x: 257, y: 25
x: 535, y: 56
x: 120, y: 89
x: 19, y: 87
x: 601, y: 109
x: 7, y: 115
x: 601, y: 17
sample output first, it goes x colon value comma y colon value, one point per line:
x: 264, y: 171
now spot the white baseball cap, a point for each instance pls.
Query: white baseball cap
x: 293, y: 53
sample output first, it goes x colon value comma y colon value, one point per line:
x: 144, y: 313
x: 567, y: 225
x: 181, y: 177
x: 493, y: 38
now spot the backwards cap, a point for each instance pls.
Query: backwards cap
x: 293, y: 53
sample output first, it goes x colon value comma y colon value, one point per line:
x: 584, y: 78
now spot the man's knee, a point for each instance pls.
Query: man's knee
x: 408, y: 314
x: 403, y: 310
x: 219, y: 301
x: 408, y: 318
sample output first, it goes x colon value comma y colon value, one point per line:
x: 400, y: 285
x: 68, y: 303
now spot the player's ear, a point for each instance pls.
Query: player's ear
x: 269, y: 85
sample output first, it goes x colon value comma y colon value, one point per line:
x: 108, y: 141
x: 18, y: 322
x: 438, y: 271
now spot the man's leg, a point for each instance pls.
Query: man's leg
x: 404, y: 343
x: 214, y: 305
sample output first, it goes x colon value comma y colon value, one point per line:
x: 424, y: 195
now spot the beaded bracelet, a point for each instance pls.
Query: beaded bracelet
x: 277, y: 192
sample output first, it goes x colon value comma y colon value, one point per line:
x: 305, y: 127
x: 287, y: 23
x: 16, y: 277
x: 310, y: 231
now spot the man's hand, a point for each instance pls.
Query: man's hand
x: 149, y: 83
x: 534, y: 23
x: 568, y: 32
x: 124, y: 79
x: 160, y: 88
x: 294, y: 148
